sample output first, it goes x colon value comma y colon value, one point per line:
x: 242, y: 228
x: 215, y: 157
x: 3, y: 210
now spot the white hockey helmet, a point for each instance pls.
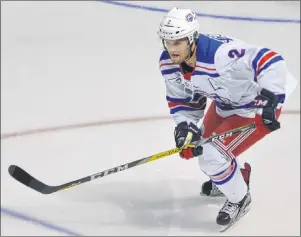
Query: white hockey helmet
x: 179, y: 24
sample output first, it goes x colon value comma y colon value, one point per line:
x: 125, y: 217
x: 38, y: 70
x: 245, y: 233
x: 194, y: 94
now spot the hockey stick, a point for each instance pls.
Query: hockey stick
x: 25, y: 178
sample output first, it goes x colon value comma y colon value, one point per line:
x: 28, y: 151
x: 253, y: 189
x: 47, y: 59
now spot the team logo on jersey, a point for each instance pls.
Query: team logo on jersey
x: 219, y: 37
x: 220, y: 99
x: 188, y: 87
x: 175, y: 79
x: 214, y: 84
x: 189, y: 17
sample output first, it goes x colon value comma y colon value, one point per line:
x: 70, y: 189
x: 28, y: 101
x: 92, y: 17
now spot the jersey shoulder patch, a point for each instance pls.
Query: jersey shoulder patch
x: 207, y: 46
x: 164, y: 56
x: 169, y: 70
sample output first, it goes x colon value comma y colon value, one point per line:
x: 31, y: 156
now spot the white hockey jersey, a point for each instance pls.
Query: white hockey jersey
x: 229, y: 71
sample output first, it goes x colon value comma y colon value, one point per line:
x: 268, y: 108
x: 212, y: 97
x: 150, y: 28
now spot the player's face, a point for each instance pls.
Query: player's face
x: 177, y: 49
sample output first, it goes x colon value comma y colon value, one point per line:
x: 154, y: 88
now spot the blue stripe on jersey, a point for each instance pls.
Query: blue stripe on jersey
x: 164, y: 56
x: 206, y: 73
x: 231, y: 107
x: 170, y: 71
x: 258, y: 57
x: 206, y: 49
x: 182, y: 108
x: 274, y: 60
x: 186, y: 100
x: 281, y: 98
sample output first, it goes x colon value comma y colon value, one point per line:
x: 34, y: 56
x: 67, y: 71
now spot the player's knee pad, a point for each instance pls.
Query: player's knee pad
x: 213, y: 163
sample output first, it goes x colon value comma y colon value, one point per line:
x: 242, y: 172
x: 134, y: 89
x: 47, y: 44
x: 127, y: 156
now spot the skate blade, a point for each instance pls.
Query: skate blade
x: 218, y: 195
x: 235, y: 220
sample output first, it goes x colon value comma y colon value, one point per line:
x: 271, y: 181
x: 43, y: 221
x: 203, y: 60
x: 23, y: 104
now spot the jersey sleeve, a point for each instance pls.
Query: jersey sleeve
x: 182, y: 103
x: 240, y: 62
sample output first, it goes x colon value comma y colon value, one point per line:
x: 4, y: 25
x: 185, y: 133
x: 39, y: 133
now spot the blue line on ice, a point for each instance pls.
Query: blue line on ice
x: 36, y: 221
x: 234, y: 18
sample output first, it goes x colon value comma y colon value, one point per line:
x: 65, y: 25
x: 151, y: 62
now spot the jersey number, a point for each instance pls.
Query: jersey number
x: 234, y: 52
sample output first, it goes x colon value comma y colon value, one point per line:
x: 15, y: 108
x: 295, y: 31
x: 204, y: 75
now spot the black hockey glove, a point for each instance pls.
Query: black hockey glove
x: 186, y: 134
x: 268, y: 101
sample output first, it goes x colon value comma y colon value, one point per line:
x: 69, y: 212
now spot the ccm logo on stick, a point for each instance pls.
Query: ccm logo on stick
x: 221, y: 137
x: 105, y: 173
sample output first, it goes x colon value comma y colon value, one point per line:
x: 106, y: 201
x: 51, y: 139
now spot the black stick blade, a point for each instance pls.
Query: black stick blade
x: 23, y: 177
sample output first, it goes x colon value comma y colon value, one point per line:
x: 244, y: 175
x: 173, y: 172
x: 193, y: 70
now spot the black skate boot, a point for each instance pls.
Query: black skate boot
x: 211, y: 190
x: 232, y: 212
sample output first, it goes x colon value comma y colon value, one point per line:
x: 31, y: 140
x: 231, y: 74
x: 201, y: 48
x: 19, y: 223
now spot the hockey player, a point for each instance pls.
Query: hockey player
x: 247, y: 84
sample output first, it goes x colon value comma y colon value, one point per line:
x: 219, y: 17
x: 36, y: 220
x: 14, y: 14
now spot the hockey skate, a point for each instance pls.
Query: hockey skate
x: 211, y: 190
x: 232, y: 212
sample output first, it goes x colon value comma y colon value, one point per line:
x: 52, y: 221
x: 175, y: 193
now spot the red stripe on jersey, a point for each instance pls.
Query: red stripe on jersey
x: 192, y: 105
x: 210, y: 69
x: 166, y: 64
x: 264, y: 59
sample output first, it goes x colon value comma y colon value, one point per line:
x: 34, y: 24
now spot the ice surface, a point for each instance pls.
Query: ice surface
x: 74, y: 62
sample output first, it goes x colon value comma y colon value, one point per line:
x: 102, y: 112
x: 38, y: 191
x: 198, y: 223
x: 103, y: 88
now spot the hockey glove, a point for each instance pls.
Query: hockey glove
x: 268, y: 101
x: 186, y: 134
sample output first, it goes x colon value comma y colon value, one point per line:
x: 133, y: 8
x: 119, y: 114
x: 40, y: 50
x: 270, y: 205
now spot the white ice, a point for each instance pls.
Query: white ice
x: 80, y: 62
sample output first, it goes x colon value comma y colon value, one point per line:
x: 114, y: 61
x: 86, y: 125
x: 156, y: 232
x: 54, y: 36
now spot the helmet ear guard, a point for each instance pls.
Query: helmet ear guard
x: 195, y: 36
